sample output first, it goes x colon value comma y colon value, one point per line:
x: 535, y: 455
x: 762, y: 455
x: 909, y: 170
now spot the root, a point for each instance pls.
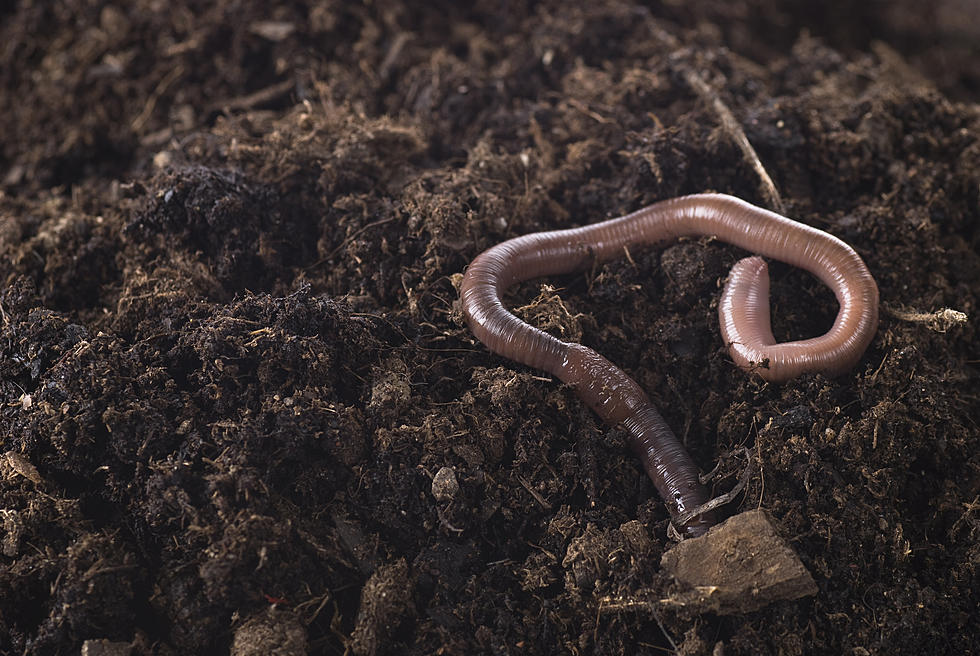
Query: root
x: 941, y: 320
x: 721, y: 500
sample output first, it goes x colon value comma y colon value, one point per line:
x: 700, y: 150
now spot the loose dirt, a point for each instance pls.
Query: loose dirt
x: 242, y: 414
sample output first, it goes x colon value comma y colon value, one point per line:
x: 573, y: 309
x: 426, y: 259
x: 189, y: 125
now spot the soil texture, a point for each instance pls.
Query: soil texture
x: 241, y: 412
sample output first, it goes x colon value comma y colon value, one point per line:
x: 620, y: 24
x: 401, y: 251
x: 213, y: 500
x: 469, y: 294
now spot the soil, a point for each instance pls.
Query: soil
x: 242, y: 414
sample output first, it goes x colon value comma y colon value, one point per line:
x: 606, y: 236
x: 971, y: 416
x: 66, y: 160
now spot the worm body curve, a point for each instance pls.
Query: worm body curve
x: 743, y: 312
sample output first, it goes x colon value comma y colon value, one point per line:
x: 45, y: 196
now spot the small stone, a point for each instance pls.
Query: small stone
x: 739, y: 566
x: 445, y: 487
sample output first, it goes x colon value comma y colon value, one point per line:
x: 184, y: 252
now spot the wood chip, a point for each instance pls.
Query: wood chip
x: 739, y: 566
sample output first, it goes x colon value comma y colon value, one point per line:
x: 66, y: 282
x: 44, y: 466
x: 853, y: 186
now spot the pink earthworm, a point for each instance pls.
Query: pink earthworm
x: 743, y: 311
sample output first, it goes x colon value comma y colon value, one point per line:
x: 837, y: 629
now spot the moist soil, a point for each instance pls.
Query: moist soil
x: 241, y: 410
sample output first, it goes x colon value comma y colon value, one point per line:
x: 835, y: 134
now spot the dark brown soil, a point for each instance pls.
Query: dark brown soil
x: 241, y: 412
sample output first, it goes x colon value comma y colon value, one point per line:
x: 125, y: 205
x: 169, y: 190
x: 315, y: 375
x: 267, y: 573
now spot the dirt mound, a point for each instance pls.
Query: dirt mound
x: 241, y: 410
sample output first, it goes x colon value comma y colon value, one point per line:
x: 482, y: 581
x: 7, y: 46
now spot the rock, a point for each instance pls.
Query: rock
x: 445, y: 487
x: 739, y: 566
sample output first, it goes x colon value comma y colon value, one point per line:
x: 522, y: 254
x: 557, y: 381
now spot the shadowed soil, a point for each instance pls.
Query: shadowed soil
x: 242, y: 413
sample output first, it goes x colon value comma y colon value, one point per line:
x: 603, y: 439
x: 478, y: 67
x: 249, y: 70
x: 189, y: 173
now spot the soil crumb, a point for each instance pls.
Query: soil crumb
x: 240, y: 410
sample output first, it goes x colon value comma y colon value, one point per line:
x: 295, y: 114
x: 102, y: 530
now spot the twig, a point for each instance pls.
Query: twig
x: 732, y: 127
x: 137, y: 123
x: 721, y: 500
x: 348, y: 240
x: 534, y: 493
x: 728, y: 122
x: 618, y: 604
x: 940, y: 320
x: 259, y: 97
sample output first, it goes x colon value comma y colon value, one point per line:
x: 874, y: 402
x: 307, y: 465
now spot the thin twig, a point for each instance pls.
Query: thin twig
x: 732, y: 127
x: 728, y: 122
x: 619, y: 604
x: 684, y: 518
x: 262, y: 96
x: 348, y: 240
x: 151, y: 102
x: 534, y: 493
x: 940, y: 320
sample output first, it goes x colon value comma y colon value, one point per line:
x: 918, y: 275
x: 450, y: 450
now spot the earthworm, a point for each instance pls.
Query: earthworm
x: 743, y: 312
